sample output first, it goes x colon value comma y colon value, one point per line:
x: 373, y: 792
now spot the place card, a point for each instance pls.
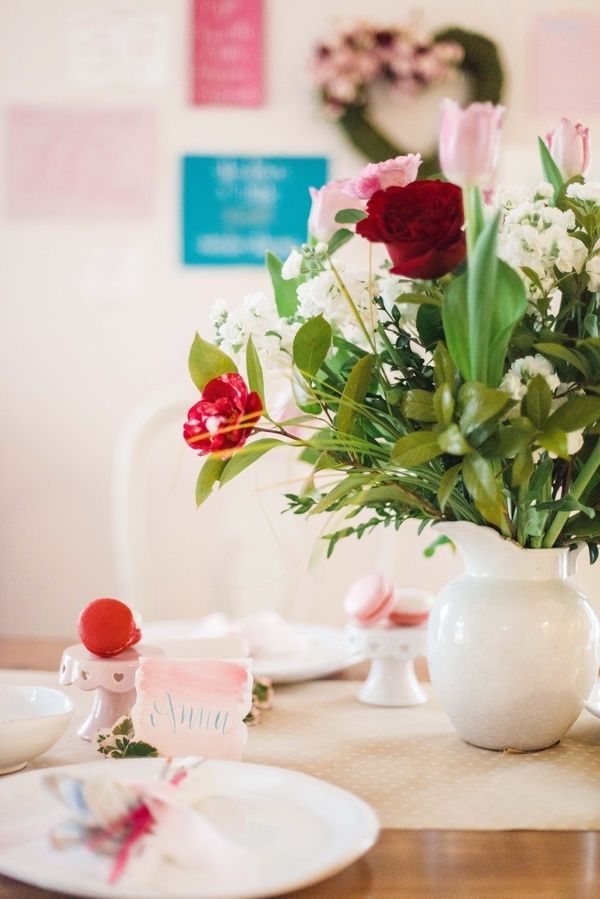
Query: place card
x: 227, y: 50
x: 193, y: 706
x: 236, y: 207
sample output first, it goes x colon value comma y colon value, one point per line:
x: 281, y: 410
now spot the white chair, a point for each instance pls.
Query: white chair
x: 237, y: 553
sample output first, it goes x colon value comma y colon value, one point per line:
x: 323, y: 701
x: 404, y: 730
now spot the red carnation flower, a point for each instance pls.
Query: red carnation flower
x: 223, y: 418
x: 421, y: 225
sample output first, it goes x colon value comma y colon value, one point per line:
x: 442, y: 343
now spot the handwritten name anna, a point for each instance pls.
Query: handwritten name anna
x: 182, y: 716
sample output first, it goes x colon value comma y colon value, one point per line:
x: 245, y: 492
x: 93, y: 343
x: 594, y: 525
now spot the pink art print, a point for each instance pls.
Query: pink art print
x: 193, y: 706
x: 227, y: 52
x: 70, y: 163
x: 566, y: 65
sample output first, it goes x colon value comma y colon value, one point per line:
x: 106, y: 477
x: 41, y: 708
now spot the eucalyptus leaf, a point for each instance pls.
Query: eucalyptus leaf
x: 207, y: 361
x: 311, y: 345
x: 418, y: 405
x: 354, y: 393
x: 479, y: 404
x: 415, y: 449
x: 452, y: 441
x: 209, y: 474
x: 350, y: 216
x: 537, y: 402
x: 443, y: 404
x: 554, y: 440
x: 448, y: 482
x: 480, y: 481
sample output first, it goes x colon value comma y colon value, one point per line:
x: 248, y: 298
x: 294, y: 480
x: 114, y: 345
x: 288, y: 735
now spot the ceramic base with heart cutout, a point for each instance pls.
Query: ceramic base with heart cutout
x: 112, y: 679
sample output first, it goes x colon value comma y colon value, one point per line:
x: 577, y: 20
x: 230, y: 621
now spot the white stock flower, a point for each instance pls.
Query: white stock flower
x: 588, y: 192
x: 521, y: 372
x: 323, y: 295
x: 292, y: 266
x: 592, y: 268
x: 537, y: 236
x: 256, y: 317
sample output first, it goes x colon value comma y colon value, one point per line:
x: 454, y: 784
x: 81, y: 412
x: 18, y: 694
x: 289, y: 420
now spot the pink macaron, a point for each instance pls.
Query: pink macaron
x: 410, y: 607
x: 369, y: 600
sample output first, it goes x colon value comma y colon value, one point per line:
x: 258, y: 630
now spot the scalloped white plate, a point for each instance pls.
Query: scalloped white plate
x: 300, y: 830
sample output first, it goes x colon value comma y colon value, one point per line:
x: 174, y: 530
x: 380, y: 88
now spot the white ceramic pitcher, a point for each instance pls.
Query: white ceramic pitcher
x: 513, y: 644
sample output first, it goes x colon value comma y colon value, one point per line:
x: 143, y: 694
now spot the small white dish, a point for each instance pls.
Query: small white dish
x: 32, y: 719
x: 299, y: 829
x: 593, y: 701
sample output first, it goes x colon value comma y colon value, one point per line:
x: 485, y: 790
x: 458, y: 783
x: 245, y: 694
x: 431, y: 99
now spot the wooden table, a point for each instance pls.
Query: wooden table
x: 414, y: 864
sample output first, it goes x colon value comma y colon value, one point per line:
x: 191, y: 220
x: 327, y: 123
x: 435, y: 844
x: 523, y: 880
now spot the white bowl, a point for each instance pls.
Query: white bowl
x: 32, y: 719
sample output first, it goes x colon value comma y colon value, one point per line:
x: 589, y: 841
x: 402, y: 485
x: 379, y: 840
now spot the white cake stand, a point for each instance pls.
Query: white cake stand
x: 392, y: 680
x: 112, y: 679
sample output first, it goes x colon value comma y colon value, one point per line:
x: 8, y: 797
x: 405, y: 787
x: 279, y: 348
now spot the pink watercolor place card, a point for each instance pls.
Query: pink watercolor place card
x: 72, y: 163
x: 566, y: 64
x: 227, y: 51
x: 193, y: 706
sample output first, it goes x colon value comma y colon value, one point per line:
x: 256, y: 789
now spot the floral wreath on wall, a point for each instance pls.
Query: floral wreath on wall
x: 346, y: 67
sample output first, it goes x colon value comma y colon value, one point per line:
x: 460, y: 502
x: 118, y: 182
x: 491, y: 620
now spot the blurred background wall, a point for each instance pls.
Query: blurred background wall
x: 97, y: 317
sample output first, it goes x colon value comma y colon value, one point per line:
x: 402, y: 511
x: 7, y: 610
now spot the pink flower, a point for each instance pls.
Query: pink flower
x: 326, y: 203
x: 470, y: 142
x: 570, y: 148
x: 375, y: 176
x: 224, y: 417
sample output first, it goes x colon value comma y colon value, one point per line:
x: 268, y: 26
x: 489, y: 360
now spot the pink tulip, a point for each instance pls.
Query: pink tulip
x: 570, y: 148
x: 375, y: 176
x: 326, y: 203
x: 470, y: 142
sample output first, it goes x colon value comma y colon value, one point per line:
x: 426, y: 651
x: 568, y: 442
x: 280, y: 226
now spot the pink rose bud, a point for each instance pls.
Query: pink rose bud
x: 326, y: 203
x: 375, y: 176
x: 570, y: 148
x: 470, y: 142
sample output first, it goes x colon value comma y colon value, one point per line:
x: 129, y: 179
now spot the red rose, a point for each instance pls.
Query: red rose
x: 223, y: 418
x: 421, y: 226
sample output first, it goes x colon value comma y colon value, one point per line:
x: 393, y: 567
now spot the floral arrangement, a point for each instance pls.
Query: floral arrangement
x: 456, y: 378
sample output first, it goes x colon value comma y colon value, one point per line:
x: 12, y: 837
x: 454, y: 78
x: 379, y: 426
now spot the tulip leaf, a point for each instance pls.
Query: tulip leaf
x: 210, y: 473
x: 207, y: 361
x: 311, y: 345
x: 550, y: 169
x: 354, y: 393
x: 415, y: 449
x: 248, y: 454
x: 286, y: 291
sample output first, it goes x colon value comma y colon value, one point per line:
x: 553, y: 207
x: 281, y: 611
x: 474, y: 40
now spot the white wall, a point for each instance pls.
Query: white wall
x: 96, y: 317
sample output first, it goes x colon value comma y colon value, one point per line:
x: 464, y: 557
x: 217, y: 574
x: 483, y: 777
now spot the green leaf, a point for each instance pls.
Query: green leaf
x: 415, y: 449
x: 443, y: 404
x: 480, y: 481
x: 207, y: 361
x: 429, y: 325
x: 247, y: 455
x: 481, y: 309
x: 508, y: 441
x: 448, y: 482
x: 342, y: 236
x: 479, y: 403
x: 210, y: 473
x: 139, y: 749
x: 337, y: 493
x: 549, y: 167
x: 311, y: 345
x: 533, y: 277
x: 350, y: 216
x: 582, y: 526
x: 566, y: 503
x: 538, y: 401
x: 418, y: 405
x: 430, y: 550
x: 522, y: 469
x: 286, y: 291
x: 444, y: 369
x: 418, y: 299
x: 576, y: 413
x: 452, y: 441
x: 354, y: 393
x: 123, y: 727
x: 254, y: 370
x: 554, y: 440
x: 558, y: 351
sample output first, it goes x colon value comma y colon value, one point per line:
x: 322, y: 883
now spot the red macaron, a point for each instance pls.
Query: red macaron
x: 369, y: 600
x: 107, y: 627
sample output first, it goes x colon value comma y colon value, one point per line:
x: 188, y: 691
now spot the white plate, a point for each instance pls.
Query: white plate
x: 324, y: 651
x: 300, y: 829
x: 593, y: 703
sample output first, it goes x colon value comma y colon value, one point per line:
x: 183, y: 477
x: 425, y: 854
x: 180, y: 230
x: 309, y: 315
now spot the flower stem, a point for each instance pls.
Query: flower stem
x: 581, y: 481
x: 474, y: 220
